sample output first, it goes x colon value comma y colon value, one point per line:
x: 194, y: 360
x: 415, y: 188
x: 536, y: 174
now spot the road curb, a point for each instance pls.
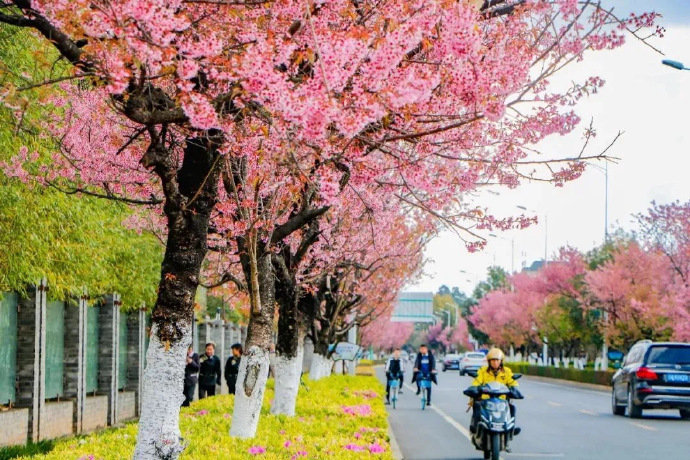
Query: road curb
x: 395, y: 448
x: 570, y: 383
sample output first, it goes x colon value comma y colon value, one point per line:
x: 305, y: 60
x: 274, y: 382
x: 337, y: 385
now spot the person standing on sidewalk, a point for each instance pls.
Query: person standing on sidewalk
x: 394, y: 371
x: 232, y: 367
x: 191, y: 375
x: 209, y: 372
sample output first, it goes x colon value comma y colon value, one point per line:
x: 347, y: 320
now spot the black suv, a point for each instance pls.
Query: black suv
x: 654, y: 375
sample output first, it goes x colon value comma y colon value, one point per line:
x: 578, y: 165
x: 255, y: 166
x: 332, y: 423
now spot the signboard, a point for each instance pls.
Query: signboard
x: 345, y: 351
x: 414, y: 307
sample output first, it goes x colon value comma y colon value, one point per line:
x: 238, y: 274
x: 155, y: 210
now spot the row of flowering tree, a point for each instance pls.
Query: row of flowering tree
x: 633, y: 288
x: 300, y: 151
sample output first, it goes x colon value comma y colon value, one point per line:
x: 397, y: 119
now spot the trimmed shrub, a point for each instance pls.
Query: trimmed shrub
x: 340, y: 417
x: 365, y: 368
x: 572, y: 374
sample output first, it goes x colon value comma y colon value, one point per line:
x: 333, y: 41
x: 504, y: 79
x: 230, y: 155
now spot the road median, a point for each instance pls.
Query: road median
x: 570, y: 383
x: 338, y: 417
x: 570, y: 374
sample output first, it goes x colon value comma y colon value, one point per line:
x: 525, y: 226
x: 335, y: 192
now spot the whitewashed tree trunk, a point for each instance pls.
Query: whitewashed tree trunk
x: 308, y: 355
x: 287, y: 380
x: 159, y: 429
x: 249, y: 392
x: 320, y: 367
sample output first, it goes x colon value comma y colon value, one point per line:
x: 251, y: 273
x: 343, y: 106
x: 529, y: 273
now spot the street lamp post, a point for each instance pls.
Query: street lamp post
x: 605, y: 170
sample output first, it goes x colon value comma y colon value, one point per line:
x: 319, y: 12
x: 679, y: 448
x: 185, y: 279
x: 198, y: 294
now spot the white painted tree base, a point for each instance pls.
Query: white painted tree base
x: 320, y: 367
x: 249, y: 392
x: 287, y: 380
x: 159, y: 434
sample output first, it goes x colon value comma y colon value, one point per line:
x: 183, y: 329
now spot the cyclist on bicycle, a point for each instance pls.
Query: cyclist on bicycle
x: 394, y: 371
x: 424, y: 366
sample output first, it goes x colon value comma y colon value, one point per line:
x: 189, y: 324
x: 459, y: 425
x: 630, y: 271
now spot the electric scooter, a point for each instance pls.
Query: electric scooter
x: 495, y: 427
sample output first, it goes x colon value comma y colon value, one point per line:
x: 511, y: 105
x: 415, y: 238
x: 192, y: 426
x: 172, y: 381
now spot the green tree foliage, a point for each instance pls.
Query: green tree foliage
x: 72, y: 241
x: 496, y: 279
x: 217, y: 304
x: 444, y: 307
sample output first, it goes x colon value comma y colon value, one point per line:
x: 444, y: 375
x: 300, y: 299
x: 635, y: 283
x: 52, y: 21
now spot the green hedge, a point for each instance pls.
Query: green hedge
x: 572, y: 374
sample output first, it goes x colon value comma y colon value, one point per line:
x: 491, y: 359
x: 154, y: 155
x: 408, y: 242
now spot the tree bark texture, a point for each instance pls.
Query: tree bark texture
x: 251, y: 380
x: 159, y: 432
x: 191, y: 193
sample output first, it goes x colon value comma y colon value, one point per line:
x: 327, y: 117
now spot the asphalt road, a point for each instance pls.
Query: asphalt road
x: 558, y: 421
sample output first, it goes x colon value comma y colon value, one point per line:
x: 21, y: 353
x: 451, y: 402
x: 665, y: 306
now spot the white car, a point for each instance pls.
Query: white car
x: 471, y: 362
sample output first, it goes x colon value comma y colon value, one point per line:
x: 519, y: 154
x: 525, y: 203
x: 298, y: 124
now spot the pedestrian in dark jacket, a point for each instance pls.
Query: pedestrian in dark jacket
x: 191, y: 376
x: 209, y: 372
x: 424, y: 365
x: 232, y: 367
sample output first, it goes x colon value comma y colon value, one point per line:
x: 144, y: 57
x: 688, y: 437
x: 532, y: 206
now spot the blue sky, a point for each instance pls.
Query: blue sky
x: 673, y: 11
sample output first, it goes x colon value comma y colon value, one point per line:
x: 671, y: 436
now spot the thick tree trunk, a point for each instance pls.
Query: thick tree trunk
x: 159, y: 433
x: 289, y: 349
x: 251, y: 380
x: 320, y: 366
x: 287, y: 380
x: 191, y: 193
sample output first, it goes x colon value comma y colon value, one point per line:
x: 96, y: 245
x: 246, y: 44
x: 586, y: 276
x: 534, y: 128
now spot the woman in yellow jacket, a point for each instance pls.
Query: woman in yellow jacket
x: 494, y: 372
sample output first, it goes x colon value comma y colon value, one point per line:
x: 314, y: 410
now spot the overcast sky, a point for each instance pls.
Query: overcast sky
x: 650, y: 103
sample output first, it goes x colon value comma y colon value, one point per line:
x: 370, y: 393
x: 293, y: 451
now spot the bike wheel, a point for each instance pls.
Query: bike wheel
x: 495, y: 446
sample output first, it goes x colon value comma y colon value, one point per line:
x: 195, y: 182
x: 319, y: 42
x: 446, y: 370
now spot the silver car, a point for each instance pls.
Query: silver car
x: 471, y: 361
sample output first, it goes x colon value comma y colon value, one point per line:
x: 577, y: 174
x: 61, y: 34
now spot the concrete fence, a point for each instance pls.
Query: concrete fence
x: 69, y: 368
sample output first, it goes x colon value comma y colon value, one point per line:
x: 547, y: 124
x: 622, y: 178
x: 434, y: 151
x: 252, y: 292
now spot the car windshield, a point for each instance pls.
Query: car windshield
x: 475, y: 355
x: 669, y: 355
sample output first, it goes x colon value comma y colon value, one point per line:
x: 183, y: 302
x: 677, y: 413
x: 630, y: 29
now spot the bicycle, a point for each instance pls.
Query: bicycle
x: 424, y: 383
x: 394, y: 385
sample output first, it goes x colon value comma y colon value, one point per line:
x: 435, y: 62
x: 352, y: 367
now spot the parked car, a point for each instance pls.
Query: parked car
x: 471, y: 362
x: 451, y: 361
x: 654, y: 375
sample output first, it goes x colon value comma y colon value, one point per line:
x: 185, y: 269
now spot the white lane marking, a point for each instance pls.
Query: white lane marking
x: 644, y: 427
x: 465, y: 432
x: 527, y: 454
x: 588, y: 412
x: 554, y: 404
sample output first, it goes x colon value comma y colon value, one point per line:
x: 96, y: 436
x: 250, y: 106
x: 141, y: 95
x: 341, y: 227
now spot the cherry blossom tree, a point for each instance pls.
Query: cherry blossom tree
x: 226, y: 118
x: 328, y: 280
x: 383, y: 334
x: 514, y: 315
x: 637, y: 291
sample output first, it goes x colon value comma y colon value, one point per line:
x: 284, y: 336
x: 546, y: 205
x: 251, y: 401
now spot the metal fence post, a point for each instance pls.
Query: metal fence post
x: 31, y: 316
x: 108, y: 353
